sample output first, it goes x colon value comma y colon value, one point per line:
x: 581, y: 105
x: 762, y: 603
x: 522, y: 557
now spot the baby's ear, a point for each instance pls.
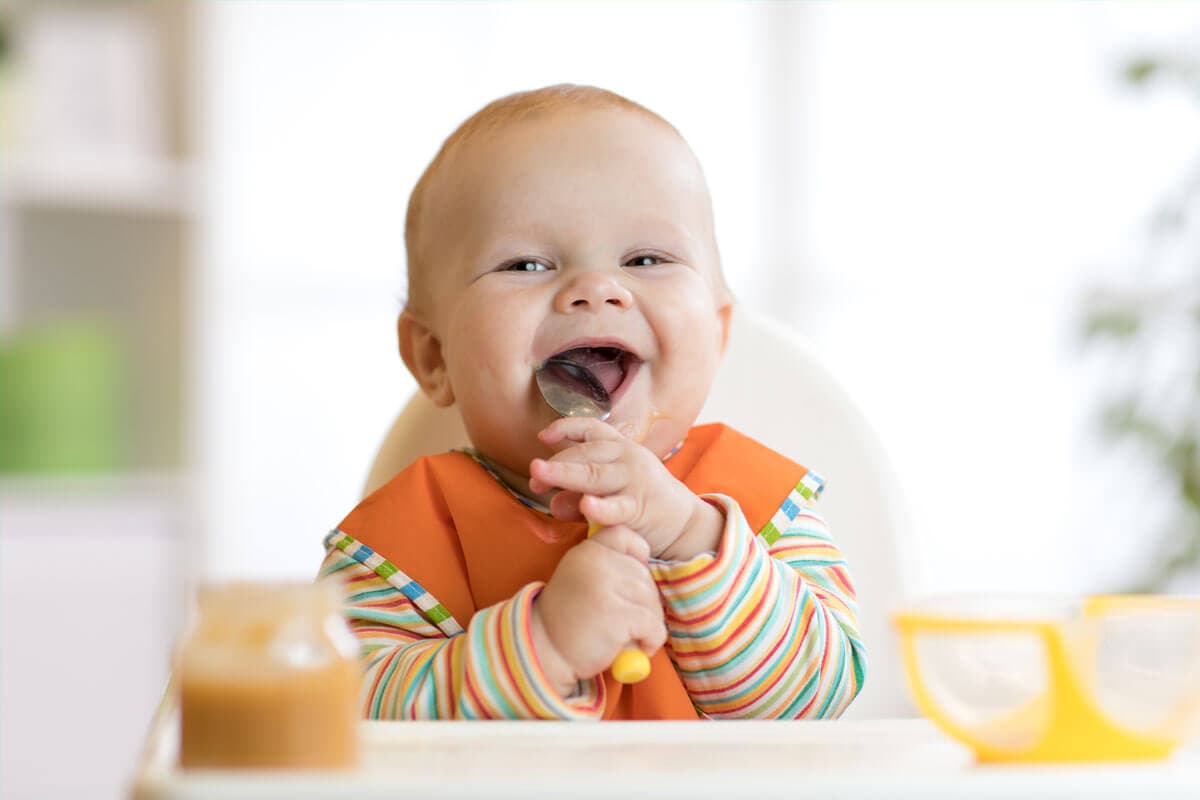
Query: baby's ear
x: 725, y: 318
x: 422, y: 354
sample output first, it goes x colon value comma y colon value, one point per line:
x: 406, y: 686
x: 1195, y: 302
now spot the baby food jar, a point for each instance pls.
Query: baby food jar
x: 268, y: 677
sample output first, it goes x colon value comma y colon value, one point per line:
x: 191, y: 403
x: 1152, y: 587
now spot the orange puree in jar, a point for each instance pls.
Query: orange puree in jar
x: 268, y: 678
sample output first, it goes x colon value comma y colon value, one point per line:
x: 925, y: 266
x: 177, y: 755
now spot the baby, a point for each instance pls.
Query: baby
x: 572, y: 221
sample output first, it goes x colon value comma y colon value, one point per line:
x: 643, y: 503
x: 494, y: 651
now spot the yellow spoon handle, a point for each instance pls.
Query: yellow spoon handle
x: 631, y: 665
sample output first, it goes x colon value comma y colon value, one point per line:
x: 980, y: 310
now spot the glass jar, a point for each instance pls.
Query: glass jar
x: 268, y: 677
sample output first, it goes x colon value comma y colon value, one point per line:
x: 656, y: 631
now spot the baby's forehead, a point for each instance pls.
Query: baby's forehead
x: 629, y: 157
x: 551, y: 120
x: 562, y: 176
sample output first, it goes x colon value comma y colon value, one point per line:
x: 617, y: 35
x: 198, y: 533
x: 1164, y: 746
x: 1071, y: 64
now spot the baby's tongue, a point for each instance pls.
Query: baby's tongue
x: 603, y: 362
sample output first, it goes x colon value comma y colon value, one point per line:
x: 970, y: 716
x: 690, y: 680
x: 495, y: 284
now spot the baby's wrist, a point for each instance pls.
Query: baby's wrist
x: 554, y: 667
x: 700, y: 534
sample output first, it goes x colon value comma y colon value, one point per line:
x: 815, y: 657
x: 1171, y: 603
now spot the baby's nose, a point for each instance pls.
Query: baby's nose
x: 591, y: 290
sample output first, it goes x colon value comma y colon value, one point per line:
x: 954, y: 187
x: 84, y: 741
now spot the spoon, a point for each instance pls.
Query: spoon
x: 573, y: 390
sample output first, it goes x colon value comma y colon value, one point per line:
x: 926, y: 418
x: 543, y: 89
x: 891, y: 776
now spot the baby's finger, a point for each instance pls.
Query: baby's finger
x: 615, y: 509
x: 536, y: 485
x: 650, y: 631
x: 542, y: 480
x: 578, y: 429
x: 623, y: 540
x: 583, y: 477
x: 601, y: 452
x: 565, y: 506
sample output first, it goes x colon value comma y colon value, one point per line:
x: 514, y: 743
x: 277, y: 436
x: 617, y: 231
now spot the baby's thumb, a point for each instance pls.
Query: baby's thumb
x: 565, y: 506
x: 624, y: 540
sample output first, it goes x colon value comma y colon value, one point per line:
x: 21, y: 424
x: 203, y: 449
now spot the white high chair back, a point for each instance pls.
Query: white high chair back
x: 772, y: 387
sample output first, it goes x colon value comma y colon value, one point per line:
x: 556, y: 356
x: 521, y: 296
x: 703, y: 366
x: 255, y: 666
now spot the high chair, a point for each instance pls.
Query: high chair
x: 773, y: 387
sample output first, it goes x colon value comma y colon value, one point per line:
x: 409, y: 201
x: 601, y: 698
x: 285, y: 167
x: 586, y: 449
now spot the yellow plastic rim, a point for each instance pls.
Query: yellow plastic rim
x: 1076, y: 729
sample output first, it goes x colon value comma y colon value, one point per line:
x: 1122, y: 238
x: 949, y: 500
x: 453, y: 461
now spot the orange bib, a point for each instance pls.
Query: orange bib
x: 458, y: 532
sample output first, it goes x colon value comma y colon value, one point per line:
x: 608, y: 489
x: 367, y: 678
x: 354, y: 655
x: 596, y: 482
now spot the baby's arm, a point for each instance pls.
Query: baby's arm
x: 765, y: 630
x: 412, y: 670
x: 517, y: 659
x: 766, y: 626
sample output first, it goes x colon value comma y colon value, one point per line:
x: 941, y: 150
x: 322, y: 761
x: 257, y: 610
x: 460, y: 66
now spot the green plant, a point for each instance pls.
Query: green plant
x: 1155, y: 324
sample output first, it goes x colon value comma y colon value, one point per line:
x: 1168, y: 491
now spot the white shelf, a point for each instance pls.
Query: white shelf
x: 117, y: 504
x: 131, y: 186
x: 15, y: 484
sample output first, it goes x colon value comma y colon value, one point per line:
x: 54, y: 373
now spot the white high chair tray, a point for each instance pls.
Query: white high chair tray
x: 898, y: 758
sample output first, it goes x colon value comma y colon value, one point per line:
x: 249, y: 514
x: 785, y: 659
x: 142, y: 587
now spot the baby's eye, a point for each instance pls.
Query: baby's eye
x: 646, y: 260
x: 525, y: 265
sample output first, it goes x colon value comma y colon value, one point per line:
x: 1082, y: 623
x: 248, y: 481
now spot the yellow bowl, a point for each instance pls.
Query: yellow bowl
x: 1110, y: 677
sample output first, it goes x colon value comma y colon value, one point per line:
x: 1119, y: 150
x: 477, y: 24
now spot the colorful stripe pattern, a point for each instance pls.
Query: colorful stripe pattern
x: 434, y: 611
x: 808, y: 491
x: 765, y: 628
x: 412, y: 670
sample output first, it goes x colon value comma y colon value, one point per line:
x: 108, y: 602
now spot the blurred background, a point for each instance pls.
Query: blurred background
x: 983, y: 214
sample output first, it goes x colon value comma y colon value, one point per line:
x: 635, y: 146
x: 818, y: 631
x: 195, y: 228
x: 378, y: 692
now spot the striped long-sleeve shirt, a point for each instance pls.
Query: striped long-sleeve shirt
x: 764, y: 628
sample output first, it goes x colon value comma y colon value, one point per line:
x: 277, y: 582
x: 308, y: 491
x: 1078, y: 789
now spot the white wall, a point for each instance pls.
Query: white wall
x: 973, y: 169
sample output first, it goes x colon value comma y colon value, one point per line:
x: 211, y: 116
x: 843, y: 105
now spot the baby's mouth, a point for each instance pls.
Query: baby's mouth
x: 596, y: 372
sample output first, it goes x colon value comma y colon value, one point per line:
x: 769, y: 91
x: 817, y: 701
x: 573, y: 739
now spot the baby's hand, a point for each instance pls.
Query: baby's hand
x: 599, y: 599
x: 612, y: 480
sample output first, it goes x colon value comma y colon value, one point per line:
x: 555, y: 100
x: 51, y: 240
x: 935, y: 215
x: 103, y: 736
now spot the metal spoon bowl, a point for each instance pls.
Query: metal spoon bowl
x: 572, y: 389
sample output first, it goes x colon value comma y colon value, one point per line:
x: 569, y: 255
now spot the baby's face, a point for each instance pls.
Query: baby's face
x: 578, y: 228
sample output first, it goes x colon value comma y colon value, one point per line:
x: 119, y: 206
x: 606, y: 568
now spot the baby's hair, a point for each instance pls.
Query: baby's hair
x: 495, y: 115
